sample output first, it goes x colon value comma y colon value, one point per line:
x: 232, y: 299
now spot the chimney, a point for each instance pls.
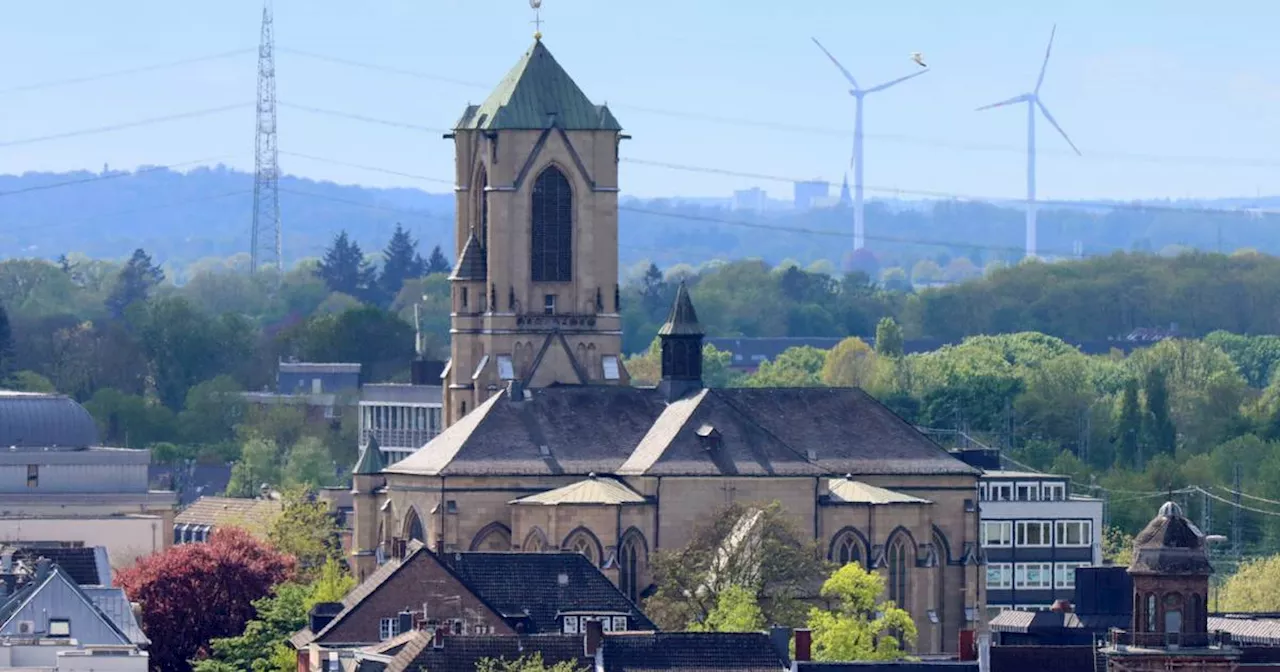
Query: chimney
x: 780, y: 637
x: 43, y: 567
x: 437, y: 640
x: 1061, y: 607
x: 405, y: 619
x: 804, y: 645
x: 515, y: 390
x: 322, y: 614
x: 592, y: 639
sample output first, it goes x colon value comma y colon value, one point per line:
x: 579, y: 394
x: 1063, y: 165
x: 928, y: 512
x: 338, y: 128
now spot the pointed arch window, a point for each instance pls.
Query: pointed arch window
x: 898, y: 568
x: 413, y: 527
x: 631, y: 556
x: 585, y: 543
x: 551, y: 248
x: 535, y: 542
x: 483, y: 213
x: 846, y: 549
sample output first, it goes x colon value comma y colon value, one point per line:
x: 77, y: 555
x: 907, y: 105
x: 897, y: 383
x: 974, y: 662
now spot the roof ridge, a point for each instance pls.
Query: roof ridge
x: 750, y: 418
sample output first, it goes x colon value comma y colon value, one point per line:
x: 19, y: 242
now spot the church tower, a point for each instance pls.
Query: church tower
x: 535, y: 289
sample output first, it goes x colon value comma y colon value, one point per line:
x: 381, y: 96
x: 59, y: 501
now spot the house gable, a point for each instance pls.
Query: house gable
x: 58, y: 597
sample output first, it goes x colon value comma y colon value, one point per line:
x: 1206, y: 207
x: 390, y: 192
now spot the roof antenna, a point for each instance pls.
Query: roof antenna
x: 537, y: 19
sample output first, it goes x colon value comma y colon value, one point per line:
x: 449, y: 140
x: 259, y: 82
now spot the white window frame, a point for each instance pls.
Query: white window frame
x: 570, y: 625
x: 1032, y: 607
x: 1033, y: 491
x: 1006, y: 574
x: 982, y: 491
x: 1064, y: 574
x: 1020, y: 533
x: 1054, y: 492
x: 1086, y: 533
x: 619, y: 623
x: 997, y: 489
x: 1022, y: 569
x: 388, y: 628
x: 1003, y: 540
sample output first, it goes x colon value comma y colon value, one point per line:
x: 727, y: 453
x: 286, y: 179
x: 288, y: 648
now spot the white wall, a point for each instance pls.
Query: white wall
x: 126, y: 538
x: 1074, y: 509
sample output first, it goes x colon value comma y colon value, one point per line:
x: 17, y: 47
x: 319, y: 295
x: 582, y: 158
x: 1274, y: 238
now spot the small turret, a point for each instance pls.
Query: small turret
x: 681, y: 338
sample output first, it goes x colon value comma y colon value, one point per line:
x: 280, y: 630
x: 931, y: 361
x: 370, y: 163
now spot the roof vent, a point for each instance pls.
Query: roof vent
x: 544, y: 451
x: 811, y: 454
x: 708, y: 436
x: 563, y: 579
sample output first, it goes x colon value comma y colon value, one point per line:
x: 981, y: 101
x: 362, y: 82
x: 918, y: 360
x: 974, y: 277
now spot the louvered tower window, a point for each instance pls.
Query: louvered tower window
x: 552, y: 245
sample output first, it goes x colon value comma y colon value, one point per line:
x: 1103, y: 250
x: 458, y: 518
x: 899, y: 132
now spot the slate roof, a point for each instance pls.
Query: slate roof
x: 1050, y: 621
x: 462, y: 653
x: 358, y: 594
x: 894, y: 666
x: 30, y: 420
x: 683, y: 319
x: 701, y: 651
x: 472, y: 262
x: 1170, y: 545
x: 232, y: 511
x: 856, y: 492
x: 115, y: 604
x: 594, y: 490
x: 86, y: 565
x: 126, y: 630
x: 370, y: 461
x: 535, y: 89
x: 1042, y: 658
x: 767, y: 431
x: 529, y: 583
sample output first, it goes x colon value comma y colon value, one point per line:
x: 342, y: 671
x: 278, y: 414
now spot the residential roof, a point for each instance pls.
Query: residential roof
x: 856, y: 492
x: 29, y: 420
x: 115, y: 604
x: 358, y: 594
x: 533, y: 94
x: 683, y: 319
x: 594, y: 490
x: 192, y: 482
x: 701, y: 651
x: 1047, y: 621
x: 463, y: 653
x: 1170, y: 544
x: 71, y: 594
x: 370, y: 461
x: 765, y: 431
x: 890, y: 666
x: 1043, y: 658
x: 256, y: 514
x: 531, y: 584
x: 472, y: 263
x: 86, y: 565
x: 1248, y: 629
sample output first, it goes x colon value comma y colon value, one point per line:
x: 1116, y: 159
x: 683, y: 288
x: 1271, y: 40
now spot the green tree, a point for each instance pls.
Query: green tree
x: 28, y: 381
x: 530, y: 663
x: 858, y: 626
x: 795, y: 367
x: 1128, y: 427
x: 134, y: 283
x: 344, y: 268
x: 850, y: 364
x: 258, y: 465
x: 1158, y: 425
x: 1253, y: 587
x: 212, y: 410
x: 889, y: 338
x: 7, y: 364
x: 736, y: 610
x: 1117, y: 547
x: 308, y: 464
x: 401, y: 262
x: 437, y: 263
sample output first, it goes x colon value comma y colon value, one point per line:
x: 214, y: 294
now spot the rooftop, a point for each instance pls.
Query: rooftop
x: 594, y: 490
x: 319, y: 367
x: 856, y: 492
x: 1170, y: 544
x: 43, y: 421
x: 253, y: 514
x: 701, y: 651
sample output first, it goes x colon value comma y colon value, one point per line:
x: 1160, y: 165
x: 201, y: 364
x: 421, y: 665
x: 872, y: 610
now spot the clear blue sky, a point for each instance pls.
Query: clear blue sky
x: 1167, y: 78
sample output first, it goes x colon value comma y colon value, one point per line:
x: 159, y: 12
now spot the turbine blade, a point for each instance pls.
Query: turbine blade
x: 1045, y: 65
x: 847, y: 75
x: 1053, y: 121
x: 899, y: 80
x: 1015, y: 99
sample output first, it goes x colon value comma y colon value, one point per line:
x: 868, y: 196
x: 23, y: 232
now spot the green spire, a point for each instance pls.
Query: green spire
x: 370, y: 462
x: 682, y: 320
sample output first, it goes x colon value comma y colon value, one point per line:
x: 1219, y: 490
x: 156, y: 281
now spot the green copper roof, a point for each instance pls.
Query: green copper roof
x: 370, y: 461
x: 682, y: 320
x: 535, y: 90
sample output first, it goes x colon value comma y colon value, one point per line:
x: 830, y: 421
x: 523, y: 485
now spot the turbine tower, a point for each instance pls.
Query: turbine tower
x: 265, y: 244
x: 858, y: 93
x: 1033, y: 102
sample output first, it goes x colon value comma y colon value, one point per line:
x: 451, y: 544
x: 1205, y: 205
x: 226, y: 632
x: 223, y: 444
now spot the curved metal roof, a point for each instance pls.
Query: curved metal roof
x: 44, y: 421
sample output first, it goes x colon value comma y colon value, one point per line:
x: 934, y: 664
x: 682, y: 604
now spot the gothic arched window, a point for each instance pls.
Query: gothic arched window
x: 631, y: 556
x: 535, y: 542
x: 551, y: 244
x: 582, y: 541
x: 846, y: 549
x: 492, y: 537
x: 898, y: 568
x: 413, y: 527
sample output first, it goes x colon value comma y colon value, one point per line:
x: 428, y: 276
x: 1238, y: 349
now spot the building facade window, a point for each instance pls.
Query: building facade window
x: 1054, y: 492
x: 551, y: 249
x: 997, y: 533
x: 33, y: 475
x: 845, y: 550
x: 999, y: 492
x: 630, y: 556
x: 59, y: 627
x: 582, y: 542
x: 619, y: 623
x: 999, y: 575
x: 570, y: 625
x: 1033, y: 575
x: 1034, y: 533
x: 1028, y: 492
x: 549, y: 304
x: 388, y: 628
x: 1064, y: 574
x: 898, y: 573
x: 1151, y: 612
x: 1075, y: 533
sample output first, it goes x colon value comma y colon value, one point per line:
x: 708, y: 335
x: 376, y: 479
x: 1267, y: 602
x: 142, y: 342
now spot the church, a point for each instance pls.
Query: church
x: 547, y: 446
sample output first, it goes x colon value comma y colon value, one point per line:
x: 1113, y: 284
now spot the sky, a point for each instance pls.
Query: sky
x: 1165, y: 99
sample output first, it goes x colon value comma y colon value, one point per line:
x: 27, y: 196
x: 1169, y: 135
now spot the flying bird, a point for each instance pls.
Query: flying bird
x: 918, y: 58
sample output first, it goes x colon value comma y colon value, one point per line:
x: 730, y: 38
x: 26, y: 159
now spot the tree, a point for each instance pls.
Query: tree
x: 1252, y: 587
x: 530, y: 663
x: 305, y: 530
x: 344, y: 268
x: 795, y: 367
x: 7, y: 364
x: 758, y: 548
x: 212, y: 410
x: 134, y: 283
x: 1128, y: 427
x: 308, y: 464
x: 193, y: 593
x: 850, y: 364
x: 437, y: 262
x: 859, y: 627
x: 258, y: 465
x: 1158, y: 426
x: 736, y: 610
x: 888, y: 338
x: 1117, y: 547
x: 401, y: 262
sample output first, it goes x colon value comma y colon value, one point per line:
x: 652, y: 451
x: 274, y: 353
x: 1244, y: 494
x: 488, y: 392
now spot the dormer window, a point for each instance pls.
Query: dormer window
x: 708, y: 436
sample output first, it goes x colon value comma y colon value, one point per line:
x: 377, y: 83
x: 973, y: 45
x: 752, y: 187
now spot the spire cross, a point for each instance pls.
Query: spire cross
x: 537, y: 18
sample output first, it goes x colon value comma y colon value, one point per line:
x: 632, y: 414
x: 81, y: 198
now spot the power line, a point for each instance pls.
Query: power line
x: 1247, y: 495
x: 1238, y: 506
x: 118, y: 127
x: 374, y: 169
x: 120, y: 73
x: 382, y: 68
x: 111, y: 176
x: 361, y: 117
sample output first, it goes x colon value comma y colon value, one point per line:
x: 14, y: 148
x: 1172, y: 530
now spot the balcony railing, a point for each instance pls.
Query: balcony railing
x: 411, y: 439
x: 1168, y: 640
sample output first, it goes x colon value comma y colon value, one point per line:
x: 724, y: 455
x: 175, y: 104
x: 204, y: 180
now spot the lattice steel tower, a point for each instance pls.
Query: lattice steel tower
x: 265, y: 246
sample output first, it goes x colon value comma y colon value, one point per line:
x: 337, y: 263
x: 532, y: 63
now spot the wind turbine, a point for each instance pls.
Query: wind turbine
x: 1033, y: 102
x: 858, y: 93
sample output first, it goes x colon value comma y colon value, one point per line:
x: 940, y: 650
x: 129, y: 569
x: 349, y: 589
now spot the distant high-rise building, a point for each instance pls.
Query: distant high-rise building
x: 752, y: 199
x: 811, y: 193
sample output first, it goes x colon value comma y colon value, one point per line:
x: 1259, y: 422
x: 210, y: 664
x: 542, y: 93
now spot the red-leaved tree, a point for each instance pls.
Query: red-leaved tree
x: 193, y: 593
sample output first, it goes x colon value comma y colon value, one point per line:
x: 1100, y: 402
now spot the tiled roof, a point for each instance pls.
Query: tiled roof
x: 848, y: 490
x: 534, y: 92
x: 29, y: 420
x: 683, y: 319
x: 1248, y: 630
x: 358, y: 594
x: 701, y: 651
x: 770, y: 431
x: 1170, y: 544
x: 894, y: 666
x: 472, y: 263
x: 595, y: 490
x: 126, y: 630
x: 255, y: 514
x: 1033, y: 621
x: 463, y: 653
x: 514, y: 583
